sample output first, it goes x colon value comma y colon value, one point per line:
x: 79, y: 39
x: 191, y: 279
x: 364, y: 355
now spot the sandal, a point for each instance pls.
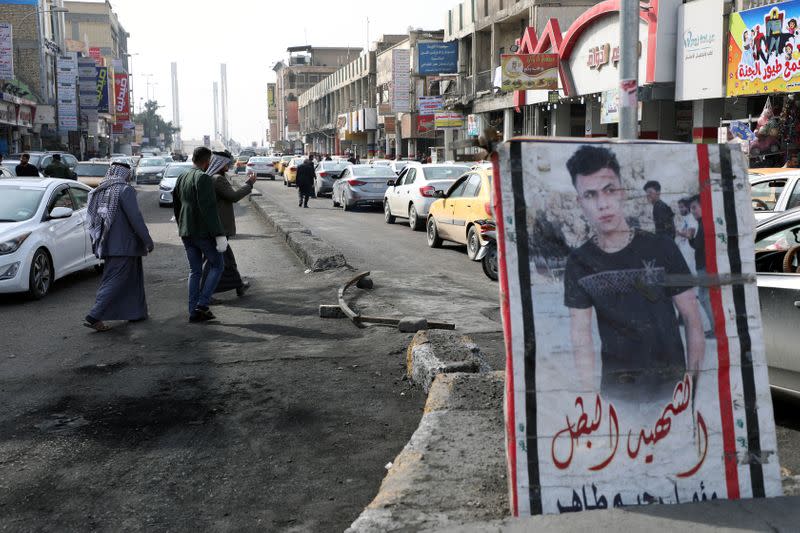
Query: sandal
x: 98, y: 326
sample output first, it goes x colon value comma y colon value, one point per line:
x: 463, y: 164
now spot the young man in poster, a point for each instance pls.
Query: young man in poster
x: 633, y: 281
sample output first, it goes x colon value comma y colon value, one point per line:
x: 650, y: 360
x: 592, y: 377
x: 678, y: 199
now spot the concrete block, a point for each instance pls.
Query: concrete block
x: 331, y: 311
x: 435, y: 352
x: 412, y: 324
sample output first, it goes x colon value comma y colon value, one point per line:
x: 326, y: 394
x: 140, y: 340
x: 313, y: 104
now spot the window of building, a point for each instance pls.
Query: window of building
x: 485, y: 8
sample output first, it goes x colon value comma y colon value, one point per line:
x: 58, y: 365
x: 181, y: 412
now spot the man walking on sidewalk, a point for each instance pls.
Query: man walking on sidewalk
x: 195, y: 207
x: 305, y: 182
x: 226, y: 197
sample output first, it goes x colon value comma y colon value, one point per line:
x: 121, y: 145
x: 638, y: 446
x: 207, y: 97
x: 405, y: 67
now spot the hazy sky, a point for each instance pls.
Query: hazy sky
x: 250, y: 36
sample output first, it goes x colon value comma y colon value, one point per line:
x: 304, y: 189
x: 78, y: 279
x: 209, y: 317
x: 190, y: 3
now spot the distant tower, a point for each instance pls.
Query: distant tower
x: 176, y: 111
x: 216, y: 111
x: 224, y: 102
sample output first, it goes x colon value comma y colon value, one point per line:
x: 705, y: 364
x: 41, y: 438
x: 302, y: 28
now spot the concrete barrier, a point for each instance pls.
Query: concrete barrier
x: 315, y: 253
x: 435, y: 352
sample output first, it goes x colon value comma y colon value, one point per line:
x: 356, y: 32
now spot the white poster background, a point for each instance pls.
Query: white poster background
x: 700, y: 60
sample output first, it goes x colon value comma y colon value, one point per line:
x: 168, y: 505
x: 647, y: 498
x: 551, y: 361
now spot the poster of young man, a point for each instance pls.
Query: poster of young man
x: 635, y: 358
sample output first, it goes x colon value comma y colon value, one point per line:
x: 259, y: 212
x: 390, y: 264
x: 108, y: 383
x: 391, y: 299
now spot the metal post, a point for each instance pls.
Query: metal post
x: 629, y: 69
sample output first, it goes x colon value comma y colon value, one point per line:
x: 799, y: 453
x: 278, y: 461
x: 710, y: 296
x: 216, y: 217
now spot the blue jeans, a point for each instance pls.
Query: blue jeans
x: 196, y: 250
x: 704, y: 296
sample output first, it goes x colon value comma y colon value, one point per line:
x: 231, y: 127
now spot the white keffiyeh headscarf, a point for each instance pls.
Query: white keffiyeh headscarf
x: 218, y: 162
x: 104, y: 202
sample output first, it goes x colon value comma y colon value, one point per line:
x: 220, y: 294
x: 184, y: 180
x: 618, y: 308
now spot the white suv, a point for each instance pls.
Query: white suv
x: 411, y: 195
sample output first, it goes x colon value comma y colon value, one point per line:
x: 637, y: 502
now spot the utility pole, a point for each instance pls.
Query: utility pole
x: 629, y: 69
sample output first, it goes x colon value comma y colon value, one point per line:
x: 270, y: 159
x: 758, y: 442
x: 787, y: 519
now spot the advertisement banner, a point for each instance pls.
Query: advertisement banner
x: 436, y: 57
x: 609, y: 107
x: 428, y: 105
x: 763, y: 55
x: 473, y: 125
x: 522, y: 72
x: 122, y: 106
x: 87, y: 92
x: 67, y: 88
x: 102, y: 90
x: 701, y: 41
x: 448, y: 119
x: 636, y: 371
x: 425, y: 125
x: 270, y: 95
x: 94, y: 53
x: 401, y: 81
x: 6, y: 51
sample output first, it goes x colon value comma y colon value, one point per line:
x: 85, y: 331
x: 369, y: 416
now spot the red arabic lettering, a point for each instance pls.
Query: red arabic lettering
x: 701, y: 424
x: 612, y: 419
x: 681, y: 398
x: 581, y: 427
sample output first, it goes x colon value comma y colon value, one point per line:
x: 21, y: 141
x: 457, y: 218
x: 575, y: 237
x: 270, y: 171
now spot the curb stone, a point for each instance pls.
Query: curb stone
x: 453, y: 470
x: 315, y: 253
x: 434, y: 352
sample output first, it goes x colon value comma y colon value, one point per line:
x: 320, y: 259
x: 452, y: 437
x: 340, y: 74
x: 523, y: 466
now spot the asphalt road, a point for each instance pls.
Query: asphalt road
x: 269, y: 419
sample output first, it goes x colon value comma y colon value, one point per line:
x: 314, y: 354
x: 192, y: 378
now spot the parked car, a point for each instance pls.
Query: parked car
x: 261, y: 167
x: 41, y: 159
x: 290, y: 174
x: 283, y: 163
x: 123, y: 159
x: 167, y: 184
x: 150, y: 170
x: 327, y: 172
x: 44, y: 234
x: 774, y: 190
x: 91, y: 173
x: 453, y: 216
x: 411, y: 195
x: 778, y: 290
x: 361, y: 185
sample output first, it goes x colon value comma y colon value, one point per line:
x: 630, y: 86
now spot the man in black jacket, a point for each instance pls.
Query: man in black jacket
x: 25, y: 168
x: 663, y: 216
x: 698, y: 242
x: 305, y: 182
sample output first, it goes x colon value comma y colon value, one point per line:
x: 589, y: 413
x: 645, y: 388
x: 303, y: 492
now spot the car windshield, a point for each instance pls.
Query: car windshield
x: 152, y: 162
x: 173, y: 171
x: 91, y: 171
x: 286, y: 158
x: 400, y: 165
x: 259, y: 160
x: 333, y: 165
x: 443, y: 173
x: 298, y: 161
x: 373, y: 172
x: 19, y: 203
x: 382, y: 163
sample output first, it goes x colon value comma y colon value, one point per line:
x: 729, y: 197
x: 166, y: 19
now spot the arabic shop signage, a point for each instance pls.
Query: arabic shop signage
x: 699, y: 62
x: 600, y: 56
x: 529, y: 71
x: 436, y: 57
x: 619, y: 393
x: 763, y: 55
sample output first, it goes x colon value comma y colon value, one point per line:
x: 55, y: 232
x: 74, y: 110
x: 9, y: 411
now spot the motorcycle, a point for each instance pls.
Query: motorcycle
x: 487, y: 255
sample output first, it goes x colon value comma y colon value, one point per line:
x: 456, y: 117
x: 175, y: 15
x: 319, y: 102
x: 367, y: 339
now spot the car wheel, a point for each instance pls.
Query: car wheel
x: 489, y: 264
x: 335, y: 203
x: 434, y: 241
x: 41, y: 277
x: 414, y: 222
x: 388, y: 217
x: 473, y: 243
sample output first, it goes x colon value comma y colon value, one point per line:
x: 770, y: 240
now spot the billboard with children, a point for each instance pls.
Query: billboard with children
x: 763, y: 55
x: 636, y: 371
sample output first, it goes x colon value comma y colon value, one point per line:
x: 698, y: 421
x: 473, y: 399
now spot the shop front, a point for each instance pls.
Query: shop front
x: 589, y: 55
x: 763, y: 76
x: 17, y: 130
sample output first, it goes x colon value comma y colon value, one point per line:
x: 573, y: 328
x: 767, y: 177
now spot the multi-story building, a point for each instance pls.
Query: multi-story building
x: 305, y: 67
x: 27, y: 98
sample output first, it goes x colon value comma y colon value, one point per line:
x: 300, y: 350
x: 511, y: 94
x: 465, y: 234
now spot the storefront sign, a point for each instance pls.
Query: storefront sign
x: 270, y: 95
x: 615, y: 395
x: 425, y: 125
x: 444, y: 120
x: 25, y: 116
x: 436, y: 57
x: 94, y: 53
x: 699, y: 62
x: 102, y: 90
x: 87, y: 93
x: 427, y: 105
x: 389, y: 125
x: 529, y: 71
x: 6, y: 51
x: 763, y: 55
x: 401, y: 81
x: 122, y: 108
x: 67, y: 75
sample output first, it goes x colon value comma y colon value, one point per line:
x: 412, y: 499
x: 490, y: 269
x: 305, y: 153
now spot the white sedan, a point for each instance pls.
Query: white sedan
x: 44, y: 233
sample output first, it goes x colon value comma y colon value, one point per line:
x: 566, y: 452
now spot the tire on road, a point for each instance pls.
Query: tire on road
x: 473, y: 243
x: 40, y: 279
x: 388, y: 217
x: 414, y: 221
x: 434, y: 241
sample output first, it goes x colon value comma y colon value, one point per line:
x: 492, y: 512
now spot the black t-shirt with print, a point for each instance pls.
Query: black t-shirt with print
x: 631, y: 292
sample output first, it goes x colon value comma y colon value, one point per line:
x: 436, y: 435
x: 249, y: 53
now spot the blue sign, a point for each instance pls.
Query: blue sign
x: 437, y: 58
x: 21, y: 2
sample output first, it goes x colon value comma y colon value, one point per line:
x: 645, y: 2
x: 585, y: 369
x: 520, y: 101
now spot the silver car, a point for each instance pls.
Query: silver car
x: 167, y: 184
x: 150, y: 170
x: 327, y: 172
x: 774, y: 190
x: 261, y: 167
x: 361, y: 185
x: 412, y: 194
x: 779, y: 293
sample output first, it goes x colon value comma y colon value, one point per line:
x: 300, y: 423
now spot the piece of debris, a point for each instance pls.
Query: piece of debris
x: 412, y: 324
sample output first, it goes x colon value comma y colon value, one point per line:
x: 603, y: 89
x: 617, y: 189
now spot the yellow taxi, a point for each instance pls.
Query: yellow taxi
x: 452, y: 217
x: 290, y: 174
x: 282, y: 163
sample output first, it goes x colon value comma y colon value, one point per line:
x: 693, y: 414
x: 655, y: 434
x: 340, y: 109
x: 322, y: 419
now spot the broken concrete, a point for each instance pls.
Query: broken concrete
x: 435, y: 352
x: 453, y: 470
x: 412, y: 324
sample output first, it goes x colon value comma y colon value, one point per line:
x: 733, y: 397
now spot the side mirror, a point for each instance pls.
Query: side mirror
x: 390, y: 183
x: 60, y: 212
x: 439, y: 194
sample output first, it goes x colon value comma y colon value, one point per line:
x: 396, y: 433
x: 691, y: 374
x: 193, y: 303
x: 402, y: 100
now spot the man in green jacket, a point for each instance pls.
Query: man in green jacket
x: 195, y: 206
x: 58, y: 169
